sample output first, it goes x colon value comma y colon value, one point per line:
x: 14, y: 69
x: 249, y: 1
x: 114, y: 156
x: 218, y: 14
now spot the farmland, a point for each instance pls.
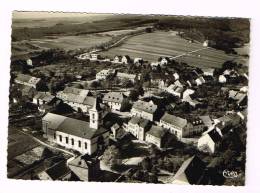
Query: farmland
x: 151, y: 46
x: 62, y: 42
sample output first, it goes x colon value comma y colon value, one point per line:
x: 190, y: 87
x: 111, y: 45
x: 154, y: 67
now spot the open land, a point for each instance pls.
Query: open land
x: 151, y: 46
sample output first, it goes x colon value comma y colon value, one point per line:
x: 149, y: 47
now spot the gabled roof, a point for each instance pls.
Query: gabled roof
x: 45, y: 96
x: 83, y: 161
x: 72, y: 126
x: 114, y: 97
x: 145, y: 106
x: 157, y: 131
x: 27, y: 78
x: 139, y: 121
x: 191, y: 171
x: 206, y: 120
x: 76, y: 91
x: 215, y: 135
x: 174, y: 120
x: 125, y: 75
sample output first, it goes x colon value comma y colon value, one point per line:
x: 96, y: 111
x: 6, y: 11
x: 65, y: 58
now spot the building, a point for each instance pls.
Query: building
x: 164, y: 61
x: 117, y: 132
x: 176, y: 76
x: 144, y: 109
x: 115, y: 100
x: 43, y: 98
x: 78, y: 99
x: 138, y: 126
x: 117, y: 59
x: 207, y: 121
x: 85, y: 168
x: 239, y: 97
x: 58, y: 171
x: 222, y: 79
x: 126, y: 59
x: 200, y: 81
x: 175, y: 90
x: 82, y: 136
x: 190, y: 172
x: 187, y: 92
x: 103, y: 74
x: 156, y: 135
x: 192, y: 102
x: 209, y: 141
x: 27, y: 80
x: 208, y: 71
x: 125, y: 76
x: 138, y: 61
x: 176, y: 125
x: 94, y: 57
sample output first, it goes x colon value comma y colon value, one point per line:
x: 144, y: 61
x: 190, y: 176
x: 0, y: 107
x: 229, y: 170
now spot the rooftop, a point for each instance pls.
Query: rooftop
x: 174, y: 120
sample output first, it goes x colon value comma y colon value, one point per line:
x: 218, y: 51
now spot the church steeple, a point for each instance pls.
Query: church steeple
x: 95, y: 114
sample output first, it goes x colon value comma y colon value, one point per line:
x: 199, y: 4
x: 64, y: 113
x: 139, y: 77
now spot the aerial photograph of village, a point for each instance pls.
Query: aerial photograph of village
x: 128, y: 98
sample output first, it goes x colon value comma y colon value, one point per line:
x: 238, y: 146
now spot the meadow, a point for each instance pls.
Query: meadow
x: 151, y: 46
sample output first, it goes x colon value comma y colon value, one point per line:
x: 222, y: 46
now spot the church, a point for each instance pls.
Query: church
x: 82, y: 136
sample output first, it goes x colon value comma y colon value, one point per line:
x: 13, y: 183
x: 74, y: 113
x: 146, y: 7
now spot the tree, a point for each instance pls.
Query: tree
x: 111, y: 156
x: 133, y: 95
x: 95, y: 84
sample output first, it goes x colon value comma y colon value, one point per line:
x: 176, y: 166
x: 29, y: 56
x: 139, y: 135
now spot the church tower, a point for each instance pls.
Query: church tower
x: 95, y: 115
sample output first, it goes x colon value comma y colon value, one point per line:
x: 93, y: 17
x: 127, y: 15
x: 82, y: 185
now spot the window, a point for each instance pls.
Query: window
x: 72, y: 141
x: 86, y: 145
x: 79, y: 143
x: 67, y: 140
x: 93, y: 116
x: 54, y: 136
x: 60, y: 138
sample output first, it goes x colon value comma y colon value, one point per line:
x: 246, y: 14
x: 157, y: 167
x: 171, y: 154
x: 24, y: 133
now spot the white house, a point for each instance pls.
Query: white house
x: 138, y: 127
x: 175, y: 90
x: 200, y: 81
x: 156, y: 135
x: 209, y: 141
x: 138, y: 61
x: 144, y: 109
x: 176, y: 125
x: 222, y: 79
x: 208, y: 71
x: 187, y: 92
x: 176, y: 76
x: 82, y: 136
x: 42, y: 98
x: 27, y: 80
x: 115, y: 100
x: 103, y: 74
x: 126, y: 59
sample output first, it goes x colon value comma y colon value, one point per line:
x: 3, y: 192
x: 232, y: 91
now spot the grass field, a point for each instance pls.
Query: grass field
x: 62, y: 42
x: 151, y: 46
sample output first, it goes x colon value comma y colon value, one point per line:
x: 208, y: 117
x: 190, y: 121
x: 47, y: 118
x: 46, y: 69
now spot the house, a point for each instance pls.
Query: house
x: 175, y: 90
x: 115, y: 100
x: 144, y: 109
x: 243, y: 114
x: 85, y: 168
x: 200, y: 81
x: 164, y: 61
x: 207, y: 121
x: 58, y: 171
x: 176, y: 76
x: 209, y: 141
x: 117, y: 59
x: 208, y: 71
x: 27, y: 80
x: 156, y: 135
x: 82, y: 136
x: 138, y: 61
x: 83, y: 56
x: 228, y: 120
x: 42, y: 98
x: 187, y: 92
x: 126, y: 76
x: 138, y: 126
x: 239, y: 97
x: 222, y: 79
x: 117, y: 132
x: 28, y: 91
x: 176, y: 125
x: 126, y: 59
x: 190, y: 172
x: 94, y: 56
x: 103, y: 74
x: 192, y: 102
x: 197, y: 126
x: 78, y: 99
